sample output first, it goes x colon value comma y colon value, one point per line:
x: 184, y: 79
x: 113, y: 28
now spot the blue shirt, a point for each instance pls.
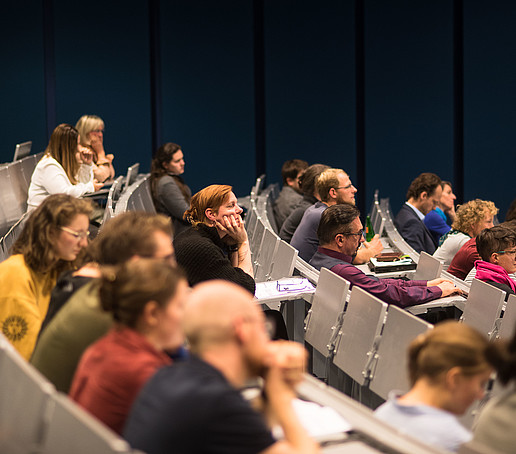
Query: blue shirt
x: 435, y: 221
x: 429, y: 424
x: 305, y: 238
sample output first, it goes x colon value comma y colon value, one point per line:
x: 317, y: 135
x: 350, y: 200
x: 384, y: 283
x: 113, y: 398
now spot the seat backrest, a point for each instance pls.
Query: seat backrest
x: 269, y: 210
x: 23, y: 403
x: 283, y: 261
x: 255, y: 190
x: 251, y: 222
x: 390, y: 371
x: 146, y: 196
x: 8, y: 240
x: 266, y: 255
x: 12, y: 208
x: 508, y: 322
x: 377, y: 219
x: 131, y: 198
x: 73, y: 430
x: 325, y: 315
x: 132, y: 174
x: 359, y: 334
x: 256, y: 242
x: 22, y: 150
x: 483, y: 307
x: 428, y: 267
x: 114, y: 193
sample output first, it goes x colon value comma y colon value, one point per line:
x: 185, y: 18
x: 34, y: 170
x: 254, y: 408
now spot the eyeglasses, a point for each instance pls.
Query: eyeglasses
x: 77, y: 235
x: 359, y: 233
x: 507, y: 252
x: 345, y: 187
x: 98, y: 131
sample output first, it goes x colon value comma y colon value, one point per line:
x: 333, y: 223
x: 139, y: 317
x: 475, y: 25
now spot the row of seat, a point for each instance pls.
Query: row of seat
x: 35, y: 418
x: 14, y: 186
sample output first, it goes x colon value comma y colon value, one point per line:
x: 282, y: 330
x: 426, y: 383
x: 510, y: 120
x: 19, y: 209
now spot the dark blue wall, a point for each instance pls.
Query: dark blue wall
x: 370, y: 86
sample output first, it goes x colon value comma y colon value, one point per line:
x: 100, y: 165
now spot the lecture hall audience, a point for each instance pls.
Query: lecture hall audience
x: 120, y: 328
x: 170, y: 193
x: 52, y: 239
x: 146, y: 300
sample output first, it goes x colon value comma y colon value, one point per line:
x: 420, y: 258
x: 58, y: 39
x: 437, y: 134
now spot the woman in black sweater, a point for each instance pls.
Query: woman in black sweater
x: 216, y: 245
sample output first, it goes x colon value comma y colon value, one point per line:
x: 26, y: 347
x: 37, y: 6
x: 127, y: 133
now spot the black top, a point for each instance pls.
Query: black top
x: 204, y: 256
x: 67, y: 284
x: 505, y: 287
x: 189, y: 408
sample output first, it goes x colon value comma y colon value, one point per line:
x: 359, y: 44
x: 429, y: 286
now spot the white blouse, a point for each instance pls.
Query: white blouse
x: 49, y: 178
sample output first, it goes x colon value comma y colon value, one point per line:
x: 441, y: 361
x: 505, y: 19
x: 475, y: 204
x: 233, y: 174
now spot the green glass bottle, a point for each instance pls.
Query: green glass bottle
x: 369, y: 232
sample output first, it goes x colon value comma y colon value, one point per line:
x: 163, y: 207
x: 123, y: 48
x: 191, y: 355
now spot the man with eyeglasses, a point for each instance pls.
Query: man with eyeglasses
x: 340, y: 234
x: 334, y: 187
x: 497, y: 248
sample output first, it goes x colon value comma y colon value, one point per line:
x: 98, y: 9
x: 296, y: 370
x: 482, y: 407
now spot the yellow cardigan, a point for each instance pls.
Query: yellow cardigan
x: 24, y: 299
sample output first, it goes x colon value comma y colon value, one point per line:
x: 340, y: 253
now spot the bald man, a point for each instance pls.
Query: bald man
x: 195, y: 406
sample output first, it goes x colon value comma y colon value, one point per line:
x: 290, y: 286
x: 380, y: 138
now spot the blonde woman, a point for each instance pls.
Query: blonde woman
x: 91, y: 130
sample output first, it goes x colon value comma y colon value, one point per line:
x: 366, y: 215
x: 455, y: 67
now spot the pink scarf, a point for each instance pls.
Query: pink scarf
x: 490, y: 272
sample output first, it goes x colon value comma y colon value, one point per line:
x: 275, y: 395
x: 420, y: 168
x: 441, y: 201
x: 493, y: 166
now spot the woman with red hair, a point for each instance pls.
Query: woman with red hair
x: 216, y: 245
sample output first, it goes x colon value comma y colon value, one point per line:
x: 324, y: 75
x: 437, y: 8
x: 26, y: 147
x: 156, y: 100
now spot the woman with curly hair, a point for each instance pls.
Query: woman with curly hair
x: 170, y: 193
x: 52, y: 239
x: 471, y: 218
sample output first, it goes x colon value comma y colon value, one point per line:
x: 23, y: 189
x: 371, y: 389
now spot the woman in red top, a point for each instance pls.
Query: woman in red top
x: 146, y: 298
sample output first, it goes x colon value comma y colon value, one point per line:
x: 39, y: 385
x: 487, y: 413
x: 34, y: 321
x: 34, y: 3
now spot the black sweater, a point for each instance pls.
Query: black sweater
x: 204, y: 256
